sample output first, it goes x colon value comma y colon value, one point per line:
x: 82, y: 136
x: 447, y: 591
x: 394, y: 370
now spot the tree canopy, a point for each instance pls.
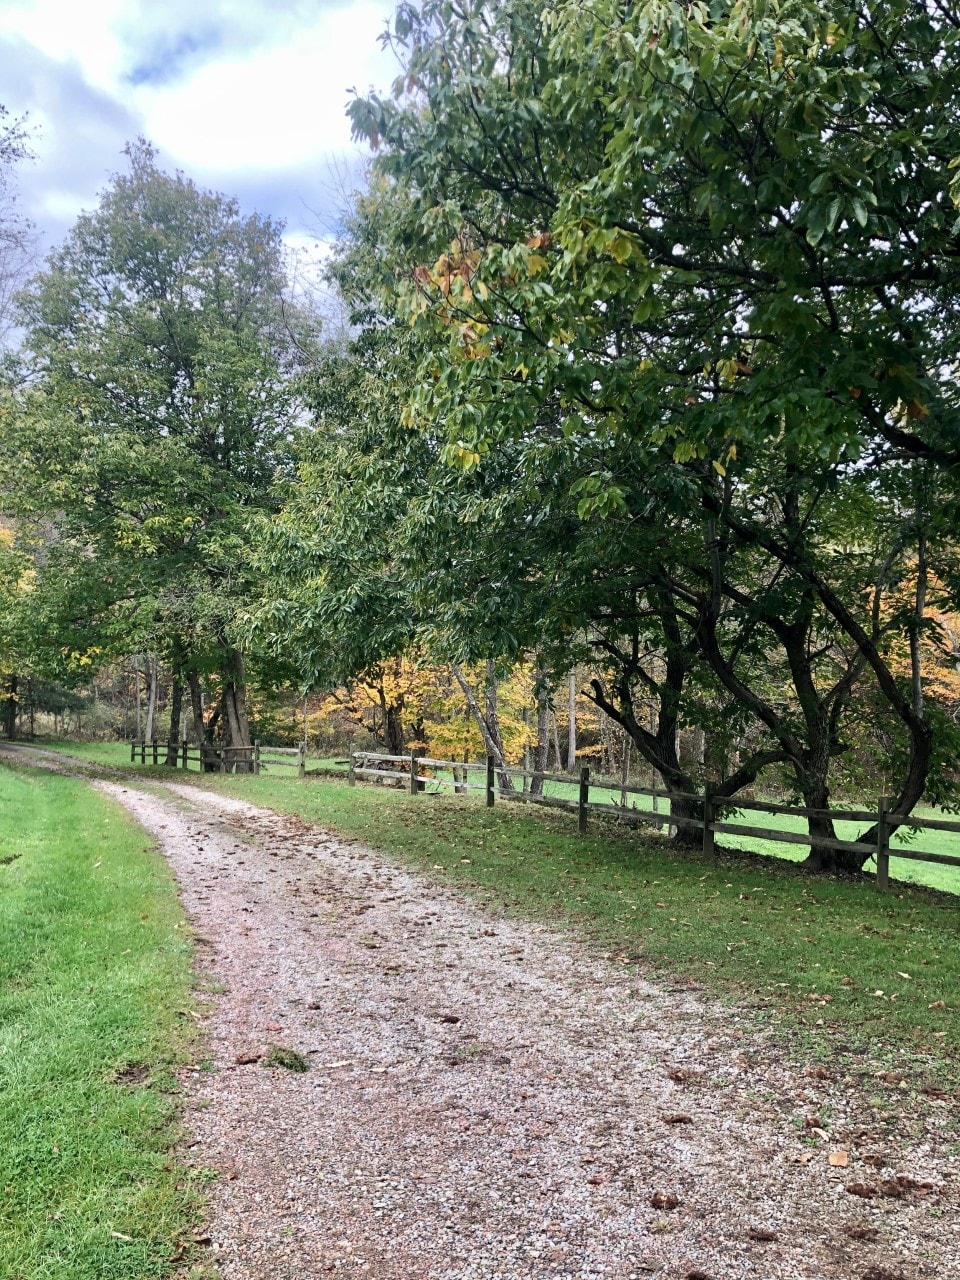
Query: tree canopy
x: 157, y: 408
x: 697, y: 262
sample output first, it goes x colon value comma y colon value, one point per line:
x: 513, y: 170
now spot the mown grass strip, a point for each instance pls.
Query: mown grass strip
x: 835, y: 956
x: 94, y: 987
x: 930, y: 874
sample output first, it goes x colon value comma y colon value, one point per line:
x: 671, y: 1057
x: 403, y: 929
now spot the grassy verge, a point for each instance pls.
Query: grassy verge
x: 835, y: 957
x: 114, y: 753
x: 118, y: 754
x: 94, y: 983
x: 929, y: 874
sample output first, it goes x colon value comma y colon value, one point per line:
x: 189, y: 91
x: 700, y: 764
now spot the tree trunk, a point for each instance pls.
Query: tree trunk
x: 542, y: 746
x: 487, y: 720
x: 493, y: 723
x: 10, y: 708
x: 234, y: 704
x: 572, y: 721
x: 152, y: 683
x: 136, y: 681
x: 393, y: 728
x: 658, y: 746
x: 208, y: 756
x: 176, y: 714
x: 816, y: 795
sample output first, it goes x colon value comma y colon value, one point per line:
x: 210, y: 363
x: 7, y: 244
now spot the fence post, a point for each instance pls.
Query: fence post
x: 883, y: 844
x: 133, y: 752
x: 256, y: 756
x: 185, y: 756
x: 709, y: 817
x: 351, y: 770
x: 491, y: 782
x: 143, y: 751
x: 413, y: 771
x: 584, y: 799
x: 156, y: 758
x: 302, y: 760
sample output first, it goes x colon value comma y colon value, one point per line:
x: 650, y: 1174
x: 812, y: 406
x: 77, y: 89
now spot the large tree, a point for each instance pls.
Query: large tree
x: 157, y: 409
x: 717, y: 244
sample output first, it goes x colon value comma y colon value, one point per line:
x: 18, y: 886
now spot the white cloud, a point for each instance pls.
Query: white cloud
x: 70, y: 32
x: 247, y: 96
x: 274, y: 108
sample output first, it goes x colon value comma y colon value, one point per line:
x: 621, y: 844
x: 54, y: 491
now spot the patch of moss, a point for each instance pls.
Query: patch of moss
x: 279, y: 1055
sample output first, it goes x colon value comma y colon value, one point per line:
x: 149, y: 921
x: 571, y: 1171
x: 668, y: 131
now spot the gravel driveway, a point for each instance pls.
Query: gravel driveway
x: 489, y: 1100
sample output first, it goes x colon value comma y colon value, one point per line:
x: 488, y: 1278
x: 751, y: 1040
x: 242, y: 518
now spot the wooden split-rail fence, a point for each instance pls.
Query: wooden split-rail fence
x: 253, y: 759
x: 415, y: 771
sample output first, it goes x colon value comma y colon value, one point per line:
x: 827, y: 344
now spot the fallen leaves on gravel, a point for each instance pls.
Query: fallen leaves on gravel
x: 663, y: 1200
x: 761, y: 1234
x: 680, y: 1075
x: 861, y: 1231
x: 838, y: 1159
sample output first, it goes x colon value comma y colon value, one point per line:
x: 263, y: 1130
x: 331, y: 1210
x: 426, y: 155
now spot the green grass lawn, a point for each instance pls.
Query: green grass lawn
x: 824, y: 953
x: 94, y: 978
x: 930, y: 874
x: 99, y: 752
x: 118, y: 753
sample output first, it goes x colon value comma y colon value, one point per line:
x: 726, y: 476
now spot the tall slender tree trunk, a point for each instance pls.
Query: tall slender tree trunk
x: 542, y: 746
x: 10, y: 702
x: 492, y: 715
x: 152, y: 683
x: 136, y: 683
x: 176, y: 714
x: 572, y: 720
x: 625, y: 768
x: 487, y: 719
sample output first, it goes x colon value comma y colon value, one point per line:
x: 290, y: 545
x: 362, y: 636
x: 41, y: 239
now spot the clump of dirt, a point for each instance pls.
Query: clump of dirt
x: 133, y: 1073
x: 279, y: 1055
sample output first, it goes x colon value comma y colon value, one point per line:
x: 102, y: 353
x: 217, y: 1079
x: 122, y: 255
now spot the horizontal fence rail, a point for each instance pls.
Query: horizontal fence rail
x: 415, y: 772
x: 253, y: 759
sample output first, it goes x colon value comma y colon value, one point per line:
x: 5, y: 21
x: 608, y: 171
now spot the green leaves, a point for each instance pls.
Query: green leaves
x: 159, y: 410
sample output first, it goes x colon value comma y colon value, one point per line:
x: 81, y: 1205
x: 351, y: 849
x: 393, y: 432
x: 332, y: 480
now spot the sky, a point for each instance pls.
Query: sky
x: 245, y: 96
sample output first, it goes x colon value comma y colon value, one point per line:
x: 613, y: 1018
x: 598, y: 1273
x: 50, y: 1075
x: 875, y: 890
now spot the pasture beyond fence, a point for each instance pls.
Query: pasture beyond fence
x: 416, y: 771
x: 252, y: 759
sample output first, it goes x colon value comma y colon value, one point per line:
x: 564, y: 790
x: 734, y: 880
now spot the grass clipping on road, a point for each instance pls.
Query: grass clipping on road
x: 836, y: 957
x: 94, y: 984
